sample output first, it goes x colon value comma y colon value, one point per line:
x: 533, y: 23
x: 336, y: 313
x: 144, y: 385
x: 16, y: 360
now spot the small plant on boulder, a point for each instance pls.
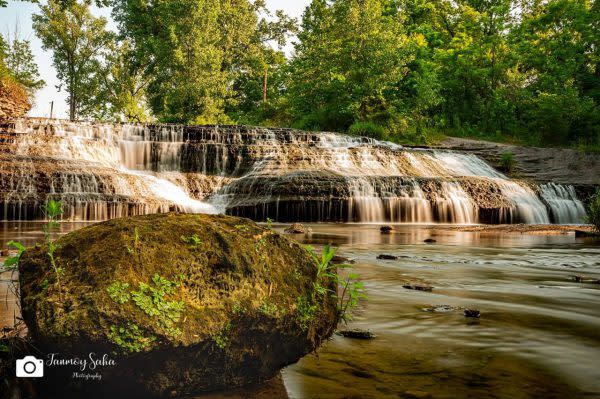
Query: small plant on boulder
x: 594, y: 211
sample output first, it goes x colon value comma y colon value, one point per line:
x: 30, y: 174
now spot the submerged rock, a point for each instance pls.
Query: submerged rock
x: 387, y: 257
x: 187, y: 303
x: 472, y: 313
x: 298, y: 228
x: 430, y: 241
x: 386, y: 229
x: 338, y: 260
x: 357, y: 334
x: 418, y: 287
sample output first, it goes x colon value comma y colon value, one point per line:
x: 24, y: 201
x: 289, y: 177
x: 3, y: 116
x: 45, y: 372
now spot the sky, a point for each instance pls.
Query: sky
x: 18, y: 13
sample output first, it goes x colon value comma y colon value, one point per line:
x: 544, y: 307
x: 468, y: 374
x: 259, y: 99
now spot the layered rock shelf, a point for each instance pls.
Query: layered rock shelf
x: 101, y: 171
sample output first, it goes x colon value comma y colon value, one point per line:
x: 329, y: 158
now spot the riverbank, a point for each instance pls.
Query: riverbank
x: 536, y: 229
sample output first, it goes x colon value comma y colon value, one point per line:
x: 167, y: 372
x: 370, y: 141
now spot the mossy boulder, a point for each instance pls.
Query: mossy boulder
x: 182, y: 303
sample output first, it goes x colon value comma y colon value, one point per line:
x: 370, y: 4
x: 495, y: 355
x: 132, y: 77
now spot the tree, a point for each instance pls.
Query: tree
x: 348, y: 63
x: 196, y: 53
x: 19, y: 60
x: 121, y: 93
x: 77, y: 40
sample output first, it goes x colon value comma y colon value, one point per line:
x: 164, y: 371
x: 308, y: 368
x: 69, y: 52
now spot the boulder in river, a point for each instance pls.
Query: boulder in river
x: 387, y: 257
x: 298, y: 228
x: 386, y: 229
x: 183, y: 303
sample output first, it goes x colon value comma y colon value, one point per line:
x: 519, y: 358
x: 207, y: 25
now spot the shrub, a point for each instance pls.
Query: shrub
x: 507, y: 162
x: 367, y: 129
x: 594, y: 211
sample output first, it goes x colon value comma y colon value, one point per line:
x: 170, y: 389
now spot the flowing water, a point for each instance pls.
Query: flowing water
x: 102, y: 171
x: 538, y: 335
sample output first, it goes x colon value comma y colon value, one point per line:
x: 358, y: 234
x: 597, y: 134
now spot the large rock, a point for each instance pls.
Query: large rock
x: 183, y: 303
x: 14, y: 100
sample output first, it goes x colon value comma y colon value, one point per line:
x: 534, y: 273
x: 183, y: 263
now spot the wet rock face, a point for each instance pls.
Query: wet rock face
x: 184, y: 303
x: 102, y: 171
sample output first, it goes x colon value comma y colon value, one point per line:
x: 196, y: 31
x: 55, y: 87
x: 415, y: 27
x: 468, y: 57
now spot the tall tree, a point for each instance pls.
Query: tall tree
x: 349, y: 60
x: 194, y: 52
x: 19, y: 60
x: 77, y: 40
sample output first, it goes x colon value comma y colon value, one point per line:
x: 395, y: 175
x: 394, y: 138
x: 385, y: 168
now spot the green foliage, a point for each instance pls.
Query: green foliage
x: 594, y: 211
x: 349, y: 290
x: 367, y: 129
x: 507, y: 162
x: 130, y: 338
x: 77, y: 40
x: 119, y: 292
x: 52, y: 211
x: 152, y: 300
x: 267, y: 308
x: 222, y: 338
x: 269, y: 223
x: 239, y: 309
x: 306, y: 310
x: 205, y: 60
x: 193, y: 240
x: 12, y: 262
x: 20, y: 62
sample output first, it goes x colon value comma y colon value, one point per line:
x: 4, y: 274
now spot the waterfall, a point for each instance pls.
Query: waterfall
x: 102, y: 171
x: 563, y: 202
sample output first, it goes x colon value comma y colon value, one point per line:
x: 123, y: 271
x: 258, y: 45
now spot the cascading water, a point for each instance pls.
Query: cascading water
x: 101, y: 171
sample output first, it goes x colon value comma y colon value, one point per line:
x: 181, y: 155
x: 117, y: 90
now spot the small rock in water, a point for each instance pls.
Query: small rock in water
x: 582, y: 233
x: 387, y: 257
x: 4, y: 252
x: 472, y: 313
x: 430, y: 241
x: 337, y: 260
x: 386, y: 229
x: 298, y: 228
x: 588, y: 280
x: 357, y: 334
x: 441, y: 308
x: 418, y: 287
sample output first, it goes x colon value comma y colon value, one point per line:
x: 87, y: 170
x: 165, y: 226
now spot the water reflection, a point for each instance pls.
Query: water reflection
x: 538, y: 337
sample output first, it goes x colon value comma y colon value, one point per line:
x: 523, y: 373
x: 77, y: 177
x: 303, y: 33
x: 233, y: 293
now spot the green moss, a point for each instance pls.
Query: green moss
x: 306, y: 311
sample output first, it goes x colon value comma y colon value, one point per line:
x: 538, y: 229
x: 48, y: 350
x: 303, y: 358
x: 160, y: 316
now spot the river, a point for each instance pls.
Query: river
x: 538, y: 335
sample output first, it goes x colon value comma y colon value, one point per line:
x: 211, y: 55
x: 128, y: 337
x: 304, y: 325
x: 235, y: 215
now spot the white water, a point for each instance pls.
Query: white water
x: 104, y: 170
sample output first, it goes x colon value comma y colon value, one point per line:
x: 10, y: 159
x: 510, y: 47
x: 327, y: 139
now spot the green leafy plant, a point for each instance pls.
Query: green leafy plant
x: 193, y: 240
x: 242, y: 227
x: 152, y: 300
x: 349, y: 290
x: 270, y: 223
x: 507, y: 162
x: 306, y: 310
x: 12, y: 262
x: 52, y: 211
x: 222, y: 338
x: 130, y: 338
x: 267, y: 308
x: 594, y: 211
x: 119, y: 292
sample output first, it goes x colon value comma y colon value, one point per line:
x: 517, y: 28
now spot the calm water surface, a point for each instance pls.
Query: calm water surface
x: 538, y: 335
